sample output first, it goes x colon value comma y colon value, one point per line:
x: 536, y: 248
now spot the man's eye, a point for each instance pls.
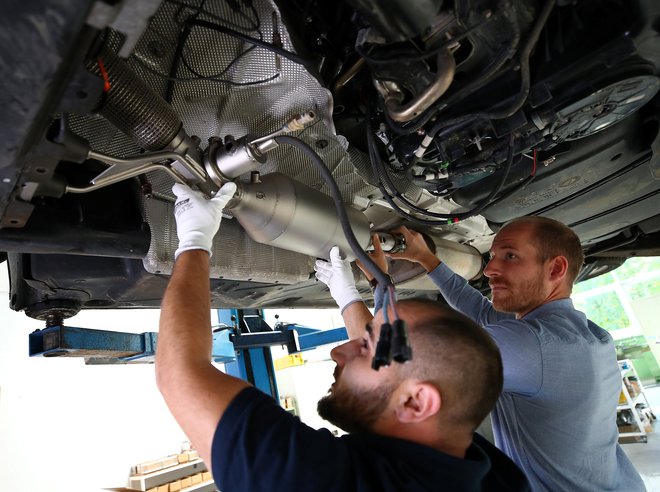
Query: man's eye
x: 511, y: 256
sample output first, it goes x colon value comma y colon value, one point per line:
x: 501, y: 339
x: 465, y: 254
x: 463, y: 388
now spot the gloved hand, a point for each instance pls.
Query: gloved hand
x: 197, y: 218
x: 338, y: 276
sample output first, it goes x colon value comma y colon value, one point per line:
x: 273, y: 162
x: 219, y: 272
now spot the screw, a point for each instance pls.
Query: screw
x: 54, y: 319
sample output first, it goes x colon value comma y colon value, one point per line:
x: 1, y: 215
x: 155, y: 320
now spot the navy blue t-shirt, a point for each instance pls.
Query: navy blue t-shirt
x: 258, y: 446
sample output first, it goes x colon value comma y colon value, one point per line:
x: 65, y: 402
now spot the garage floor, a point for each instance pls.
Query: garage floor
x: 646, y: 456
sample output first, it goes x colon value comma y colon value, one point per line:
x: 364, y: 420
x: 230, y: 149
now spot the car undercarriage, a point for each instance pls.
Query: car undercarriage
x: 448, y: 117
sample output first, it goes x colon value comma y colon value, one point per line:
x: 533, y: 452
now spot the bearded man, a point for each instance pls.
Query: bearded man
x: 411, y: 425
x: 556, y: 417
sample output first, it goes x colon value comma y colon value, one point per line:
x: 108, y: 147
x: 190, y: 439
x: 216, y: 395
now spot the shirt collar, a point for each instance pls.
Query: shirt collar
x: 550, y: 307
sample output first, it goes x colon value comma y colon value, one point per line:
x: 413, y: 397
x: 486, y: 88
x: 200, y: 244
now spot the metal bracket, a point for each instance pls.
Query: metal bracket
x: 121, y: 169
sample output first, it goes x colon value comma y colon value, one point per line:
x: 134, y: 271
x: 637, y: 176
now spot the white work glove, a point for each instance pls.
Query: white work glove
x: 338, y: 276
x: 198, y: 218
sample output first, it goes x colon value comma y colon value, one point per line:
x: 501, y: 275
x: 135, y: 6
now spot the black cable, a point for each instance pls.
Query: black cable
x: 178, y: 57
x: 186, y: 64
x: 256, y: 27
x: 380, y: 170
x: 399, y: 348
x: 375, y: 160
x: 209, y: 79
x: 200, y: 10
x: 449, y: 218
x: 491, y: 73
x: 427, y: 54
x: 526, y: 182
x: 181, y: 41
x: 521, y: 97
x: 382, y: 278
x: 249, y: 39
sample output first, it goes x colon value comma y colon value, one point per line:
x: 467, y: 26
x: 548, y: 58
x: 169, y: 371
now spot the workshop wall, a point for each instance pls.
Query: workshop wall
x: 65, y: 426
x: 646, y: 310
x: 311, y: 381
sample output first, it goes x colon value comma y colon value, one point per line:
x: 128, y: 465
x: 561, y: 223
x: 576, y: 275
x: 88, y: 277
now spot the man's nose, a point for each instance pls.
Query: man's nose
x: 345, y: 352
x: 491, y: 269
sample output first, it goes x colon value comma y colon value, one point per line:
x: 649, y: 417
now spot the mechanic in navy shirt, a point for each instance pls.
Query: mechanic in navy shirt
x: 411, y: 425
x: 556, y: 417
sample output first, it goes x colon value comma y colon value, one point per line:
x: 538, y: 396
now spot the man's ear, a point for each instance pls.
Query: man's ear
x: 417, y: 401
x: 558, y: 268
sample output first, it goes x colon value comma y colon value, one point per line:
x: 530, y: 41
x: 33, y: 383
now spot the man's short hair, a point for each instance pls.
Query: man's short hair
x: 456, y: 355
x: 555, y: 239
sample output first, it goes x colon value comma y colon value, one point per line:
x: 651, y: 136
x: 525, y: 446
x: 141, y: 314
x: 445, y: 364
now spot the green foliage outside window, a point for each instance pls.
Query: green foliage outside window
x: 644, y: 289
x: 605, y: 310
x: 593, y: 283
x: 637, y: 266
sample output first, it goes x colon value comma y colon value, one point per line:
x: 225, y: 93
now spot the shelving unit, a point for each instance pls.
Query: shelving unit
x: 632, y: 393
x: 189, y: 476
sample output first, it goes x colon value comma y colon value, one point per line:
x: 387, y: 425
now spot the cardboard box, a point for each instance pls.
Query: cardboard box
x: 186, y: 482
x: 175, y: 486
x: 196, y: 479
x: 206, y: 476
x: 155, y: 465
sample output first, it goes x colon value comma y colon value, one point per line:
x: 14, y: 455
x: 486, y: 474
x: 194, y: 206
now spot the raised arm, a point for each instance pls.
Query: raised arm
x: 337, y: 274
x: 454, y: 288
x: 195, y: 391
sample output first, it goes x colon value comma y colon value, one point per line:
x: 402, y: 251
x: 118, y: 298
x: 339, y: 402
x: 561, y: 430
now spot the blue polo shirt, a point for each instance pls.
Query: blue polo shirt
x: 258, y: 446
x: 556, y: 417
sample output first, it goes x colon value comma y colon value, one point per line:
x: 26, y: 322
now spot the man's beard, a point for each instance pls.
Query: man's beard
x: 353, y: 411
x: 527, y: 295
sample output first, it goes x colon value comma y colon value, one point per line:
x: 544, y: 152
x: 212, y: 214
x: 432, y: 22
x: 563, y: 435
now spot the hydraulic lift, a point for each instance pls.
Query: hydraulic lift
x: 241, y: 340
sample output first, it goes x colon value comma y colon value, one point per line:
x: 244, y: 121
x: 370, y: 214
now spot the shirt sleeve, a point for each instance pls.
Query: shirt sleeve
x: 521, y: 352
x: 258, y: 446
x: 379, y: 294
x: 463, y: 297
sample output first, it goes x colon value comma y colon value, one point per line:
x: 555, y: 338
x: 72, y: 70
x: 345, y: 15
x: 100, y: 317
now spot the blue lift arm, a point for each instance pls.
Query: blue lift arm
x: 242, y: 342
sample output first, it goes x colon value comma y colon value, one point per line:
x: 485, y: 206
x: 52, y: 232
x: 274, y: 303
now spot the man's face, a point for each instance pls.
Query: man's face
x: 518, y: 279
x: 359, y: 395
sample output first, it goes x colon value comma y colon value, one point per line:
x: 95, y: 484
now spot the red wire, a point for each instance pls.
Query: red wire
x: 104, y: 74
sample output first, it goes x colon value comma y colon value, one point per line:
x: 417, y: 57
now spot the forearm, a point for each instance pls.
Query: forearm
x: 195, y: 391
x: 465, y: 298
x: 356, y: 316
x: 185, y: 327
x: 430, y: 262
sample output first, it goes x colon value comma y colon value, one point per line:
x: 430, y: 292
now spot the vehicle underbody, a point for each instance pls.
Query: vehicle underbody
x: 448, y: 117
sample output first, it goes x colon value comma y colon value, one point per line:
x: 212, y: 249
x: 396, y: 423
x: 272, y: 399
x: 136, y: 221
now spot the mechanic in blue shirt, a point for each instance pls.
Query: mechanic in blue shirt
x: 411, y: 424
x: 556, y: 417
